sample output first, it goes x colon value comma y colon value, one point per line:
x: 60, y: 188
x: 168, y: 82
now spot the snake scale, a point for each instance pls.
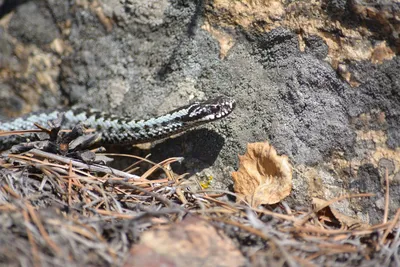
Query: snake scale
x: 124, y: 130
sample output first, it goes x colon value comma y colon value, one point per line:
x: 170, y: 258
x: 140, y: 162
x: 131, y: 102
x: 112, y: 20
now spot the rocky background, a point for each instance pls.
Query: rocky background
x: 319, y: 79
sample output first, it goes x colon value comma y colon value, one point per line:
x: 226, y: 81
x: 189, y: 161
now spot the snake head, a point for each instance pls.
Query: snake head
x: 210, y: 110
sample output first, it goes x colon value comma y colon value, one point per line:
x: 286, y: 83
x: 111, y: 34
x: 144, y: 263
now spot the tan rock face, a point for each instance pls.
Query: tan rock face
x: 31, y: 64
x: 350, y: 38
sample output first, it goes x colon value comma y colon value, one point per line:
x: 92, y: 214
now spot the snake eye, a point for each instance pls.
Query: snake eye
x: 215, y: 110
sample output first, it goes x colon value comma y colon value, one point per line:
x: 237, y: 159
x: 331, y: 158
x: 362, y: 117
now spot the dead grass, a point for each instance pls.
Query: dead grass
x: 56, y: 211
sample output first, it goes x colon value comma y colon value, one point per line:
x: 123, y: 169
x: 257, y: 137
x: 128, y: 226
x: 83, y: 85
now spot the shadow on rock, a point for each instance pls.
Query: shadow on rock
x: 199, y: 148
x: 10, y: 5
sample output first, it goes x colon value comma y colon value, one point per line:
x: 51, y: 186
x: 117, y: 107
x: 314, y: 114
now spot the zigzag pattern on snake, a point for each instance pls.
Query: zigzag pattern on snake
x: 124, y: 130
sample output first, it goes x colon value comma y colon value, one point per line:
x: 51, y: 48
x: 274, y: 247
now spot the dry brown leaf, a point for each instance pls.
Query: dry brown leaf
x: 263, y: 176
x: 192, y: 242
x: 344, y: 220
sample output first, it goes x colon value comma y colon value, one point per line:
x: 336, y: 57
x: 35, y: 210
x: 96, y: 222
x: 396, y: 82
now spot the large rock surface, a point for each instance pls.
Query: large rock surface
x: 320, y: 81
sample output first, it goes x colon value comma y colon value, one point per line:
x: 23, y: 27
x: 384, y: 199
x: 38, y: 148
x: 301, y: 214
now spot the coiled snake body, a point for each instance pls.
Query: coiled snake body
x: 124, y: 130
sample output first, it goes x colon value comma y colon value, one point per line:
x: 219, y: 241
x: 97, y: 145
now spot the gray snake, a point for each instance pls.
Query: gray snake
x: 124, y: 130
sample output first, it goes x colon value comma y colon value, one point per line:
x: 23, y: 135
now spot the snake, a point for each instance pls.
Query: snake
x: 115, y: 129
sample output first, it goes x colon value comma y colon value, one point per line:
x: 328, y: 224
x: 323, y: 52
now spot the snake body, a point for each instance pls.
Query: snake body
x: 124, y: 130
